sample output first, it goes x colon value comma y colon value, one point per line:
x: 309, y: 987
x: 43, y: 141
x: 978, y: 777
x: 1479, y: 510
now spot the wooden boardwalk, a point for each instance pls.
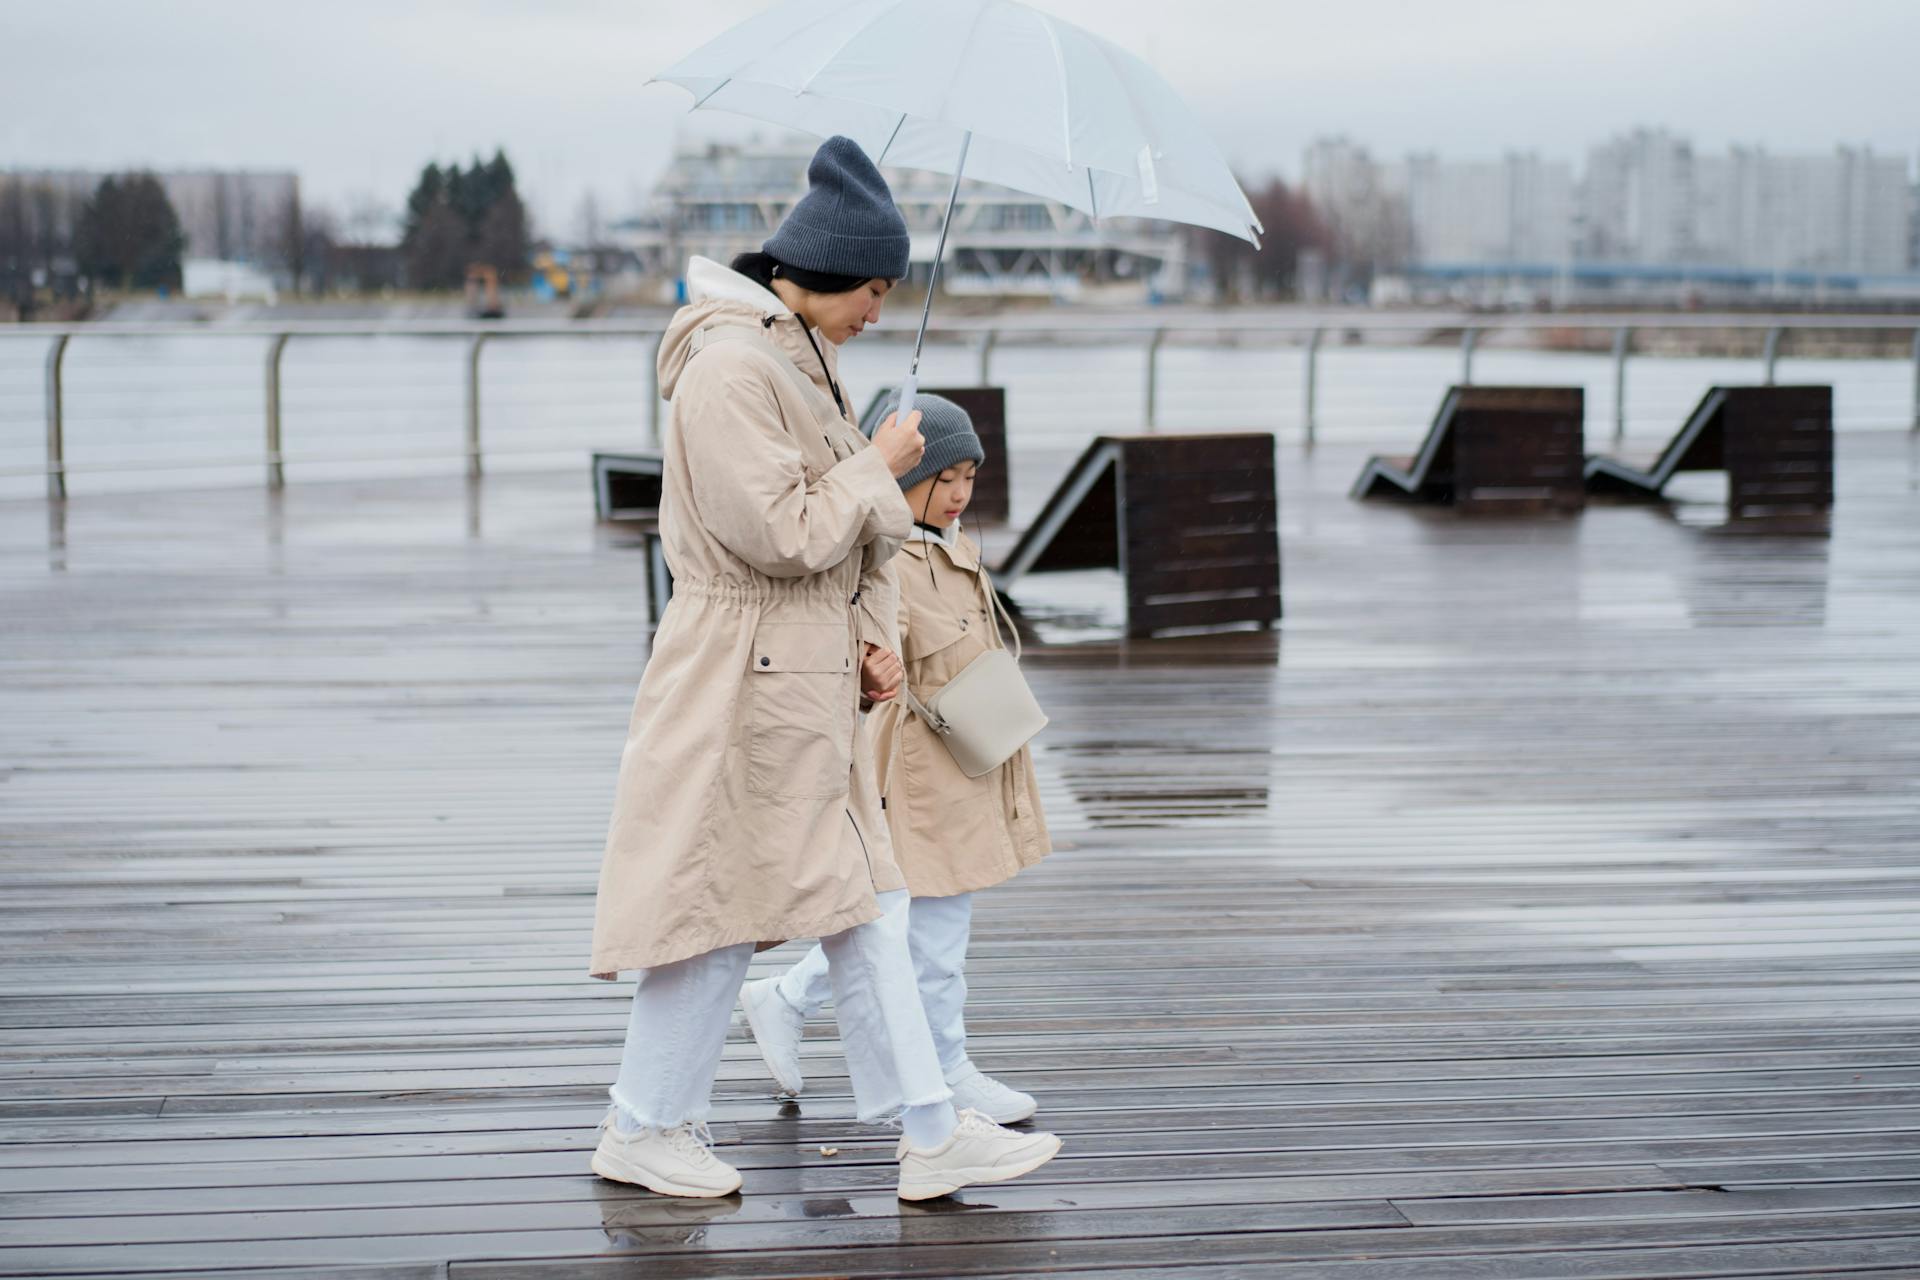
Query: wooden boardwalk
x: 1543, y: 900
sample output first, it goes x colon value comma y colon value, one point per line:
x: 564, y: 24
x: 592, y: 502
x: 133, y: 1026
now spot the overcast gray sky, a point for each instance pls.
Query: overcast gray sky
x: 356, y: 95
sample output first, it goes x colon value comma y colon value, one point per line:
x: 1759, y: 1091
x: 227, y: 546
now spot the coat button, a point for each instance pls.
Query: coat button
x: 766, y: 662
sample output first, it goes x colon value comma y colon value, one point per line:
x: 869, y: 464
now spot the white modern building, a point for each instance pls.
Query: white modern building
x: 723, y: 199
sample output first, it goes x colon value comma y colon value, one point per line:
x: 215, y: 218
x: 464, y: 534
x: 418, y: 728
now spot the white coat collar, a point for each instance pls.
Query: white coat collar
x: 709, y: 281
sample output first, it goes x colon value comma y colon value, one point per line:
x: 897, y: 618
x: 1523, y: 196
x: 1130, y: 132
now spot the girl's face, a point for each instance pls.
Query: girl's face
x: 840, y: 316
x: 939, y: 500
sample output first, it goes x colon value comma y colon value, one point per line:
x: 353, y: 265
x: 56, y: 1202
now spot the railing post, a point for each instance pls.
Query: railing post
x: 1772, y: 354
x: 473, y: 405
x: 1916, y: 380
x: 1622, y: 338
x: 276, y: 469
x: 1469, y: 338
x: 1313, y: 385
x: 1153, y: 377
x: 654, y: 401
x: 56, y: 422
x: 986, y: 359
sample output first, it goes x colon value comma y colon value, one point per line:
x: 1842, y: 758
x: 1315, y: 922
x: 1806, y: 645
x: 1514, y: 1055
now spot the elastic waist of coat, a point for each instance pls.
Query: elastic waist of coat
x: 742, y: 592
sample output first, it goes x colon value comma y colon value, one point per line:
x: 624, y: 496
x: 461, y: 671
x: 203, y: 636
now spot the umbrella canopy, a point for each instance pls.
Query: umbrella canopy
x: 1032, y: 102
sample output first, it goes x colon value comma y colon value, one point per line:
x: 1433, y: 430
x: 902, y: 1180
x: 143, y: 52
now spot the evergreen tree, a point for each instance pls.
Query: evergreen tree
x: 457, y: 217
x: 129, y: 235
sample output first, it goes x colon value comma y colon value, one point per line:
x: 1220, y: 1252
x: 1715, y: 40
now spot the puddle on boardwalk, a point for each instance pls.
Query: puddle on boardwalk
x: 1126, y: 784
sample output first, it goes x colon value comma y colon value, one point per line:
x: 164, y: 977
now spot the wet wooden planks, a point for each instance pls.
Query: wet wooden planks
x: 1542, y: 901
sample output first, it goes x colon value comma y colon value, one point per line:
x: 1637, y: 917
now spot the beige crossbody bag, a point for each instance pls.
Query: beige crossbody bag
x: 987, y: 713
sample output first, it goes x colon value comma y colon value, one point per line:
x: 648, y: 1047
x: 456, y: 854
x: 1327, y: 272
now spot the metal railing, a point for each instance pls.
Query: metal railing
x: 984, y: 335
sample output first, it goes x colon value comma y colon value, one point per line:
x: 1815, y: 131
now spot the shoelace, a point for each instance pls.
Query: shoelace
x: 691, y: 1139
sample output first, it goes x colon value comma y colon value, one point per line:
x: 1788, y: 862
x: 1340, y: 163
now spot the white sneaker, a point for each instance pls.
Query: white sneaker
x: 777, y: 1029
x: 974, y: 1088
x: 673, y: 1162
x: 978, y: 1151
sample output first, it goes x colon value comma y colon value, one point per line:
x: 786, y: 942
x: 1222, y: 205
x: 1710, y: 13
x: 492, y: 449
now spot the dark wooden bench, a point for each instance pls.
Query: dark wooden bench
x: 1774, y: 443
x: 1190, y: 521
x: 987, y: 406
x: 626, y: 486
x: 1493, y: 449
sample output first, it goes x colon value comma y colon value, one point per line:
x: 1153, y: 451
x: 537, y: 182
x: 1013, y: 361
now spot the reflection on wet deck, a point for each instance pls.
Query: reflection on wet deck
x: 1542, y: 900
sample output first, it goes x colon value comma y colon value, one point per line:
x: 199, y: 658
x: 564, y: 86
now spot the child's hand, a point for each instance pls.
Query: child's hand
x: 880, y: 674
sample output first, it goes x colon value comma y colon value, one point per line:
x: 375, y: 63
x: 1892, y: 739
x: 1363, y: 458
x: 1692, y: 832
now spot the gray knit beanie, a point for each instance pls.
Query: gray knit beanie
x: 846, y: 224
x: 947, y: 430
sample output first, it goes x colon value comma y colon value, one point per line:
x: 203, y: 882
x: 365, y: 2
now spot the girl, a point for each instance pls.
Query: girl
x: 746, y: 810
x: 953, y: 834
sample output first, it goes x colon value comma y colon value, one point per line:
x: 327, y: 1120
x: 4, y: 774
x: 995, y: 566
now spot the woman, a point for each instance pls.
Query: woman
x: 746, y: 809
x: 954, y: 834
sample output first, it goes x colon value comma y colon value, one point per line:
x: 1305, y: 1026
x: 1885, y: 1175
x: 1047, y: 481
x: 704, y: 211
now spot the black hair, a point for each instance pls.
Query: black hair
x: 762, y: 267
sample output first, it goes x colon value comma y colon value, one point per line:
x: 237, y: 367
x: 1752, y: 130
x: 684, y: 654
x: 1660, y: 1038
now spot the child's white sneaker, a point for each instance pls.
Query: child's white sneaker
x: 978, y: 1151
x: 777, y: 1029
x: 974, y: 1088
x: 674, y: 1162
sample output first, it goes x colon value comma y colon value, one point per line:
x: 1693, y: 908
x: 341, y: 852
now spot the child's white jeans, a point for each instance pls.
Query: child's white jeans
x: 681, y: 1011
x: 937, y: 939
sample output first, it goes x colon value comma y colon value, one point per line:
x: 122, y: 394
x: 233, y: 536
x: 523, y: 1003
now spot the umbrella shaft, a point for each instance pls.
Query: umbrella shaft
x: 933, y: 276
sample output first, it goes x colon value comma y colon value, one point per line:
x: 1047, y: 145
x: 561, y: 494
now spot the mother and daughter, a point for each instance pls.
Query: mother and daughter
x: 815, y: 572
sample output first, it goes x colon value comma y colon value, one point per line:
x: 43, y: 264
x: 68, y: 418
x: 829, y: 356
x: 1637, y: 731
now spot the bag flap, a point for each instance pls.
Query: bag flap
x: 802, y: 646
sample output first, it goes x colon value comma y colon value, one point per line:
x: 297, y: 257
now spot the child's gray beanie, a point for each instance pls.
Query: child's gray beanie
x: 948, y: 431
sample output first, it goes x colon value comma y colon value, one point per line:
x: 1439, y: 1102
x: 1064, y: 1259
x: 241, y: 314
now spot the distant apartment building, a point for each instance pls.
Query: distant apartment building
x: 1637, y: 200
x: 1650, y: 198
x: 1517, y: 209
x: 723, y: 199
x: 1650, y: 211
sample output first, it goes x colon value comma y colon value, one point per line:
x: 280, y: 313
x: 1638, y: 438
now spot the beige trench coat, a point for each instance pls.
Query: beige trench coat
x: 951, y: 833
x: 746, y: 808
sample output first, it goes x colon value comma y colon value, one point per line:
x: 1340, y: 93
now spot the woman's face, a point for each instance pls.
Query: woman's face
x: 940, y: 500
x: 840, y: 316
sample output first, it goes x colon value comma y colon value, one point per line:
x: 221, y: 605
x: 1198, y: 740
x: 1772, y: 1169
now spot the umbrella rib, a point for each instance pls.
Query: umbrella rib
x: 1093, y: 199
x: 807, y: 84
x: 1060, y: 64
x: 882, y: 157
x: 702, y: 101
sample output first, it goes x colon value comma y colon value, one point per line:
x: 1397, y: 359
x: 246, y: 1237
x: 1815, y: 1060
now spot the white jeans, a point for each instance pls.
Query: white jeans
x: 937, y: 940
x: 681, y: 1012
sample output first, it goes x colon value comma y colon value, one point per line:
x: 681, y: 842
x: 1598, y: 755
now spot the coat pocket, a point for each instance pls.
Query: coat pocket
x: 800, y: 710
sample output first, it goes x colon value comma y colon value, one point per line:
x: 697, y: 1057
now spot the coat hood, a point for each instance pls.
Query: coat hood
x: 713, y: 291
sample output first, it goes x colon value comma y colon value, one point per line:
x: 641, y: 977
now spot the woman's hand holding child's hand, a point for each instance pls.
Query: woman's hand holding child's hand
x: 880, y: 674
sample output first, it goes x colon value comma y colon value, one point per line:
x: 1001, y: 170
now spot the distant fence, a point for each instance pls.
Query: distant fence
x: 972, y: 344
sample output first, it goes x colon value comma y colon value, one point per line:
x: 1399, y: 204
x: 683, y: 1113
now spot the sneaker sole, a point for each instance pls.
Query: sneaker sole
x: 932, y: 1187
x: 788, y: 1089
x: 620, y: 1171
x: 1012, y: 1117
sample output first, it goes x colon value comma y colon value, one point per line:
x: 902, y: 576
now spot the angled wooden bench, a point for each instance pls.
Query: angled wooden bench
x: 626, y: 490
x: 1190, y: 521
x: 987, y: 406
x: 626, y: 486
x: 1774, y: 443
x: 1492, y: 449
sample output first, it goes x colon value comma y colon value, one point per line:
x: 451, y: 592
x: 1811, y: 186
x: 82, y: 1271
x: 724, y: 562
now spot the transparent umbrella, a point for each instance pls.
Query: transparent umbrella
x: 993, y: 89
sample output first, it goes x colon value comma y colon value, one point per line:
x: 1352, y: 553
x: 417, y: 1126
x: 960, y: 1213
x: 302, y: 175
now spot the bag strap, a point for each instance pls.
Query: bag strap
x: 994, y: 614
